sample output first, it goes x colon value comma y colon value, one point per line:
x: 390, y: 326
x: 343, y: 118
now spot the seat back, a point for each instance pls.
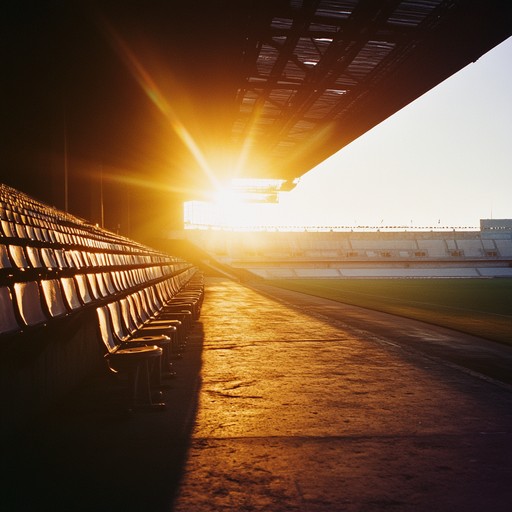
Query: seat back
x: 119, y: 280
x: 102, y: 287
x: 109, y: 283
x: 34, y: 256
x: 70, y: 293
x: 52, y: 295
x: 118, y: 327
x: 93, y: 286
x: 153, y: 299
x: 105, y: 326
x: 127, y: 313
x: 28, y: 299
x: 83, y: 288
x: 18, y: 257
x: 141, y: 305
x: 48, y: 257
x: 8, y: 229
x: 61, y: 259
x: 8, y: 322
x: 147, y: 301
x: 135, y: 310
x: 5, y: 262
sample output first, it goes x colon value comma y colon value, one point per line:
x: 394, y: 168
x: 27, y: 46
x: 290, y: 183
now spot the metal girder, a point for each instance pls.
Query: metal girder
x: 318, y: 68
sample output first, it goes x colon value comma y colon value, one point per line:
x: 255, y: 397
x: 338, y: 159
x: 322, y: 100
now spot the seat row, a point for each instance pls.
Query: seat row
x: 67, y: 289
x: 49, y: 233
x: 24, y: 218
x: 52, y: 264
x: 35, y: 303
x: 143, y: 331
x: 24, y: 234
x: 42, y: 261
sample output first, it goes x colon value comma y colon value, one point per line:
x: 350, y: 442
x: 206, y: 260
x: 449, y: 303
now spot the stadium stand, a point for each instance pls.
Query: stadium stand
x: 76, y: 299
x: 495, y: 272
x: 317, y: 273
x: 504, y: 247
x: 410, y: 272
x: 363, y: 254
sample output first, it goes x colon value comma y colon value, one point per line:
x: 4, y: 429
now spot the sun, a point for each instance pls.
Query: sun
x: 242, y: 205
x: 235, y: 210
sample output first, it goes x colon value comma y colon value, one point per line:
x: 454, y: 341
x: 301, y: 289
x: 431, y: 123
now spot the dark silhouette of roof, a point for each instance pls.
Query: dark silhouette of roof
x: 186, y: 91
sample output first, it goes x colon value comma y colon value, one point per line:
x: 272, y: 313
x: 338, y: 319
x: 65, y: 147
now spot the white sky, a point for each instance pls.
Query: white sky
x: 444, y: 160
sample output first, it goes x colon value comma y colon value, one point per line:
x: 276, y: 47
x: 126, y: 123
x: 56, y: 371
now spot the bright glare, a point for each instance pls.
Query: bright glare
x: 230, y: 209
x: 228, y: 199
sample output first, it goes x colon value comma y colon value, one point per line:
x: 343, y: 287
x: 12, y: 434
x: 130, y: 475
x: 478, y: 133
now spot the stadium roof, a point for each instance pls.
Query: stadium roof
x: 318, y: 74
x: 206, y: 90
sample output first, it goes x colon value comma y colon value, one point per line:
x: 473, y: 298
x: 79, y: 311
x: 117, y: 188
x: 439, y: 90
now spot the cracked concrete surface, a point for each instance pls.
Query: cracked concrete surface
x: 299, y: 413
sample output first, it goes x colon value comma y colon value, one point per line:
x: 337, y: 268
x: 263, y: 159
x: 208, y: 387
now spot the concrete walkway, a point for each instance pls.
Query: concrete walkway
x: 280, y: 404
x: 297, y: 414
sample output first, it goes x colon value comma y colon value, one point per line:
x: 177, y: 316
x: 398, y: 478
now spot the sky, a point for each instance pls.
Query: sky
x: 444, y: 160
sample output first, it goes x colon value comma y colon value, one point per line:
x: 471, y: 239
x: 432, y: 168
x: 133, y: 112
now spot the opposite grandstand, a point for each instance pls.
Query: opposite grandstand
x: 483, y: 253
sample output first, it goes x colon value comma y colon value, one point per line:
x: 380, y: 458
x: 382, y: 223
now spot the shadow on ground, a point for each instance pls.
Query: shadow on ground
x: 90, y: 454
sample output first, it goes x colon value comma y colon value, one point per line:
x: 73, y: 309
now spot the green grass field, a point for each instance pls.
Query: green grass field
x: 482, y: 307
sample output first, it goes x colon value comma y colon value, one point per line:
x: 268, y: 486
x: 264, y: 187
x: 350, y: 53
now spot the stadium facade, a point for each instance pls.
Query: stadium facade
x: 483, y: 253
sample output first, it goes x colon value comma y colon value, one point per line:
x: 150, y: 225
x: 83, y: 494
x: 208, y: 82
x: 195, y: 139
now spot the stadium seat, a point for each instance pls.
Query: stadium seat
x: 28, y: 299
x: 136, y: 362
x: 8, y: 322
x: 128, y: 337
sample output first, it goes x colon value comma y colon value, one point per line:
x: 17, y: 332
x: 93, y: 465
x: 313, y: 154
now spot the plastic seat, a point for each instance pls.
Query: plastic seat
x: 135, y: 361
x: 28, y: 300
x: 31, y: 234
x: 18, y: 257
x: 8, y: 321
x: 48, y: 258
x: 45, y: 237
x: 177, y: 313
x: 52, y: 236
x: 60, y: 257
x: 53, y: 298
x: 83, y: 288
x: 125, y: 335
x: 117, y: 281
x: 21, y: 231
x: 177, y: 303
x: 86, y: 259
x: 93, y: 286
x: 5, y: 262
x: 74, y: 259
x: 146, y: 322
x: 100, y: 284
x: 70, y: 293
x: 109, y: 283
x: 34, y: 257
x: 130, y: 278
x: 8, y: 229
x: 92, y: 259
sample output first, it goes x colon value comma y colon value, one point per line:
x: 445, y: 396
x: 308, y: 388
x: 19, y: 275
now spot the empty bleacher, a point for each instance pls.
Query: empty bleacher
x: 59, y: 277
x: 504, y: 247
x: 352, y: 254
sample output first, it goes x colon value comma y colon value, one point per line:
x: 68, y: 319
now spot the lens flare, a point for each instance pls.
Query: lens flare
x: 153, y: 92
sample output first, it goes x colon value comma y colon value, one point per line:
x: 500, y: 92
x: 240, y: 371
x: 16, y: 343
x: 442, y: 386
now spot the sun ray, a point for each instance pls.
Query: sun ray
x: 114, y: 176
x: 153, y: 92
x: 247, y: 147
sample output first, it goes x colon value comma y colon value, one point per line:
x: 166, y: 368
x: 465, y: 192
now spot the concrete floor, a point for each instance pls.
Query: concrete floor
x: 285, y: 403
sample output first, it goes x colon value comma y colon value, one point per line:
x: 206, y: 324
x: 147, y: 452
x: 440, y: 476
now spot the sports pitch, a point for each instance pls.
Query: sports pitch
x: 482, y: 307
